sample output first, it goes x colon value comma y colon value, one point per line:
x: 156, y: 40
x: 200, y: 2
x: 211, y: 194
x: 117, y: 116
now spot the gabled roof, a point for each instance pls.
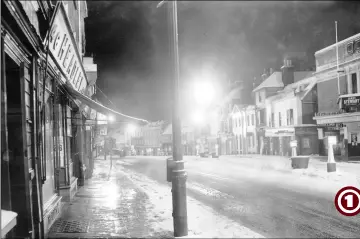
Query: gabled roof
x: 274, y: 80
x: 300, y: 88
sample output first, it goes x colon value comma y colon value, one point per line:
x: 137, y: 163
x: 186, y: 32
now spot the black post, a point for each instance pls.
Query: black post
x: 179, y: 173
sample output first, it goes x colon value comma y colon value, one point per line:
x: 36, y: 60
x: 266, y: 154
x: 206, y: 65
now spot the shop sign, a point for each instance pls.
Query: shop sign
x: 304, y: 130
x: 64, y: 50
x: 353, y: 47
x: 319, y: 114
x: 293, y: 143
x: 351, y: 101
x: 332, y: 126
x: 350, y: 104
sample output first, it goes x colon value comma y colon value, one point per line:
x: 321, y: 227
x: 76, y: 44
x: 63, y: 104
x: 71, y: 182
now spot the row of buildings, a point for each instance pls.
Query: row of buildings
x: 48, y: 112
x: 294, y: 102
x: 298, y: 104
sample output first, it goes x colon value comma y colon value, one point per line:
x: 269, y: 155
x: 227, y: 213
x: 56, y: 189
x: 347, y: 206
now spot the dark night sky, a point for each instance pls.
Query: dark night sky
x: 227, y: 40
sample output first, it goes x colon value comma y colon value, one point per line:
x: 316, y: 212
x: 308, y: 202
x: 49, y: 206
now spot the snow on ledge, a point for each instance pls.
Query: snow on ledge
x: 8, y: 221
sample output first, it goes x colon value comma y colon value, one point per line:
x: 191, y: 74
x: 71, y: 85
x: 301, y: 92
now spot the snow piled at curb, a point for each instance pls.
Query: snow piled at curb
x: 203, y: 221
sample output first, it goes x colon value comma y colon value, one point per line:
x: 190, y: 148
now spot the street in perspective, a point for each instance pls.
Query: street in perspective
x: 180, y: 119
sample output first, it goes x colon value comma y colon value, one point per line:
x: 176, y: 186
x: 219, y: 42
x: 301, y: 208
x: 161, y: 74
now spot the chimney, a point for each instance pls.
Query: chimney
x: 271, y: 71
x: 287, y: 72
x: 264, y: 75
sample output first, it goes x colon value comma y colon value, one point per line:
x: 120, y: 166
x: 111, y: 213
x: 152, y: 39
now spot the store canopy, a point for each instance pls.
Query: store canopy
x: 98, y: 107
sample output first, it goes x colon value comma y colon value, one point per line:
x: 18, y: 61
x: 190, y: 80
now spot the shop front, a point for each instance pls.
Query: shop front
x: 277, y: 140
x: 280, y: 138
x: 21, y: 178
x: 307, y: 138
x: 347, y: 130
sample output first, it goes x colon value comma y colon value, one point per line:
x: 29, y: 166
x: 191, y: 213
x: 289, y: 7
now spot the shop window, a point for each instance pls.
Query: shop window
x: 354, y: 139
x: 306, y: 143
x: 48, y: 150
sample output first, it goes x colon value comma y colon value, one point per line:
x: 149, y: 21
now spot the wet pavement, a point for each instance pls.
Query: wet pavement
x: 109, y: 205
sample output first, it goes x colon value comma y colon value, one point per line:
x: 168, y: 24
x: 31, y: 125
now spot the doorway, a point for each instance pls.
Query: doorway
x: 20, y: 186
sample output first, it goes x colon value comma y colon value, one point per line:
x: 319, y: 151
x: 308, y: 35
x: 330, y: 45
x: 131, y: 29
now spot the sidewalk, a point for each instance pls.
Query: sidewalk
x: 122, y: 203
x: 107, y: 206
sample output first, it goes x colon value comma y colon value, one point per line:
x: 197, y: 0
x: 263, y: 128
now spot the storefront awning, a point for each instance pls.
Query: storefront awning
x: 98, y: 107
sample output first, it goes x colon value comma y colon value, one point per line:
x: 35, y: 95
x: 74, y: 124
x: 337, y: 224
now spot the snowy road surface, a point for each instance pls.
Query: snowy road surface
x: 273, y: 204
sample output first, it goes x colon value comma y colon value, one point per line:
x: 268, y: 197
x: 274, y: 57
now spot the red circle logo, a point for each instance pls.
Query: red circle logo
x: 347, y: 201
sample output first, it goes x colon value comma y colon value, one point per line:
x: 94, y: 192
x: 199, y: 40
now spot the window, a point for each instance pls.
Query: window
x: 290, y: 117
x: 306, y: 143
x: 279, y: 118
x: 353, y: 83
x: 248, y: 120
x: 272, y: 122
x: 253, y: 119
x: 259, y: 94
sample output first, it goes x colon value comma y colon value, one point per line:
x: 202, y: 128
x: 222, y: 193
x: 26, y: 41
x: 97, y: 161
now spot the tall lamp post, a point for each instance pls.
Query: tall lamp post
x: 178, y: 173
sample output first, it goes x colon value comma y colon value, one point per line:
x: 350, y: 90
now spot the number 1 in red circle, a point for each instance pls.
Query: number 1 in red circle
x: 347, y: 201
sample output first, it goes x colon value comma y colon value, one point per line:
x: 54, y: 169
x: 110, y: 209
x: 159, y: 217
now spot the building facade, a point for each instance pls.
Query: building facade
x: 290, y: 118
x: 47, y: 113
x: 152, y: 134
x: 338, y: 97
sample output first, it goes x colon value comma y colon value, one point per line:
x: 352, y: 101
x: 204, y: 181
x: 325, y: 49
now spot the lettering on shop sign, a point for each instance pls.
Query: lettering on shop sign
x: 333, y: 125
x: 328, y: 113
x: 353, y: 47
x: 351, y: 101
x: 64, y: 50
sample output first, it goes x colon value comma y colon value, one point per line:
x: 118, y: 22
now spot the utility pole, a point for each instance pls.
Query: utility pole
x: 179, y: 174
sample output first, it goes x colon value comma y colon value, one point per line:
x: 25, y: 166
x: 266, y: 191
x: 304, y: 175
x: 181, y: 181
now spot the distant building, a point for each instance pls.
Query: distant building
x: 152, y: 134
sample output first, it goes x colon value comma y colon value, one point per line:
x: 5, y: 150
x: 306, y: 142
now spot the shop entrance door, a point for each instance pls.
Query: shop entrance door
x: 354, y: 146
x: 18, y: 106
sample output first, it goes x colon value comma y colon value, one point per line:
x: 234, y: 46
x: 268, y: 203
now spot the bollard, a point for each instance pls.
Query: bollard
x: 331, y: 164
x: 293, y: 145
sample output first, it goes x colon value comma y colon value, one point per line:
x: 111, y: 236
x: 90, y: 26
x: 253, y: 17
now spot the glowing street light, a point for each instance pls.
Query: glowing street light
x: 198, y: 117
x: 204, y: 92
x: 111, y: 118
x: 131, y: 128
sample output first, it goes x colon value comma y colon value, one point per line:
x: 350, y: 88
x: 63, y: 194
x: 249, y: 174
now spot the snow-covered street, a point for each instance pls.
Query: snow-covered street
x: 247, y: 197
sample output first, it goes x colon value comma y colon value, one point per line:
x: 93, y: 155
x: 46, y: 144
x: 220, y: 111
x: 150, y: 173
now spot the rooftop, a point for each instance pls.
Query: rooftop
x: 274, y: 80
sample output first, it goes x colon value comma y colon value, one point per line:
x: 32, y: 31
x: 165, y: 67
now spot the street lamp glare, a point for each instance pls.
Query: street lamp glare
x: 131, y: 128
x: 198, y: 117
x: 204, y: 92
x: 111, y: 118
